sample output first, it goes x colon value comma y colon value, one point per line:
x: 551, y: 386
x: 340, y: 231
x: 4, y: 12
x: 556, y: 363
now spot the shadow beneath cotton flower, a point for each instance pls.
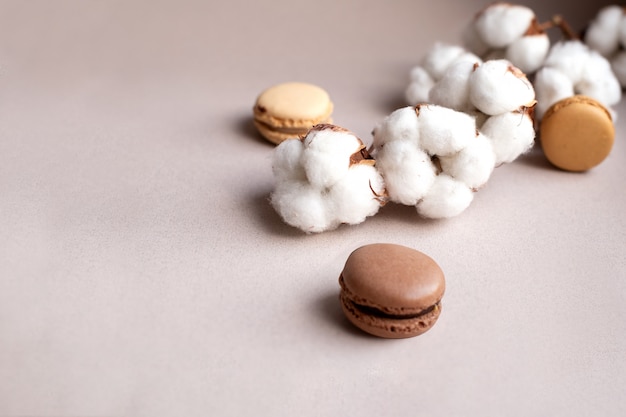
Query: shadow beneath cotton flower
x: 400, y: 212
x: 535, y: 158
x: 268, y: 219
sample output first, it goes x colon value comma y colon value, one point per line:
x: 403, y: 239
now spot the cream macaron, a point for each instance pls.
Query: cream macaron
x: 289, y: 110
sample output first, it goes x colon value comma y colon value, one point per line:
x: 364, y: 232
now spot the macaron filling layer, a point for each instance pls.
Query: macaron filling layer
x: 286, y: 130
x: 383, y: 324
x: 373, y: 311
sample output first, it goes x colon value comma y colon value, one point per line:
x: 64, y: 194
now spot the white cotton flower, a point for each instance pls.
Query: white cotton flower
x: 528, y: 52
x: 569, y: 57
x: 434, y: 157
x: 440, y: 57
x: 500, y: 24
x: 408, y: 171
x: 432, y: 68
x: 511, y: 134
x: 603, y: 32
x: 498, y: 87
x: 419, y: 86
x: 301, y: 205
x: 355, y: 190
x: 511, y: 32
x: 406, y: 164
x: 400, y: 125
x: 589, y: 72
x: 444, y: 131
x: 286, y: 163
x: 326, y: 156
x: 473, y: 164
x: 452, y: 90
x: 324, y: 180
x: 551, y: 85
x: 446, y: 198
x: 598, y: 80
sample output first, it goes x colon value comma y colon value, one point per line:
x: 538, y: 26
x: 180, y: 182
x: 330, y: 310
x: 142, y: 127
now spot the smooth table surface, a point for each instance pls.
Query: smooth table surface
x: 143, y: 271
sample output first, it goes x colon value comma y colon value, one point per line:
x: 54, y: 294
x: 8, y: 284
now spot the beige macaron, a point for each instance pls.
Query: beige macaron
x: 576, y: 133
x: 289, y: 110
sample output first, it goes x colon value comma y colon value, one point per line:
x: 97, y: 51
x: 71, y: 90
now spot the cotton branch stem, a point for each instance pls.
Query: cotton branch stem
x: 559, y: 22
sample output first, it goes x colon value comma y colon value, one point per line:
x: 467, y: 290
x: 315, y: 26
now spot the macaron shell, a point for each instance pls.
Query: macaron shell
x: 293, y: 104
x: 577, y: 133
x: 389, y: 328
x: 393, y: 278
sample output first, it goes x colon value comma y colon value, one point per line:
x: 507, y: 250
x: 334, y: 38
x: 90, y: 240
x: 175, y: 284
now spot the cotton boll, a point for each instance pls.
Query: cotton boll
x: 356, y: 196
x: 528, y: 52
x: 500, y: 24
x: 286, y: 160
x: 603, y: 31
x: 618, y: 64
x: 551, y: 85
x: 433, y: 67
x: 341, y: 184
x: 511, y: 134
x: 473, y: 164
x: 326, y: 156
x: 452, y: 90
x: 439, y: 58
x: 598, y: 81
x: 407, y: 170
x: 446, y: 198
x: 419, y: 87
x: 569, y: 57
x: 400, y: 125
x: 444, y: 131
x: 419, y: 73
x: 498, y: 87
x: 301, y: 205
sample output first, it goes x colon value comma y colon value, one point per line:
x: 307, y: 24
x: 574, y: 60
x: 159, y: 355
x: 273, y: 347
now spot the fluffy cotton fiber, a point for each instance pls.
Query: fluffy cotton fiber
x: 606, y: 34
x: 498, y: 87
x: 499, y: 97
x: 573, y: 68
x: 322, y: 180
x: 432, y: 68
x: 432, y: 157
x: 446, y: 198
x: 511, y: 134
x: 453, y: 89
x: 508, y: 31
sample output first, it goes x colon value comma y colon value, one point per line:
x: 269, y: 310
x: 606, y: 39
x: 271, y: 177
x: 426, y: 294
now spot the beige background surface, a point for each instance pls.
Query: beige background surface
x: 143, y: 273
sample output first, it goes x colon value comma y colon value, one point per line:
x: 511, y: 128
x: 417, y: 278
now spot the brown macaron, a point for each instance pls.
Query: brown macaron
x: 576, y: 133
x: 391, y: 291
x: 289, y: 110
